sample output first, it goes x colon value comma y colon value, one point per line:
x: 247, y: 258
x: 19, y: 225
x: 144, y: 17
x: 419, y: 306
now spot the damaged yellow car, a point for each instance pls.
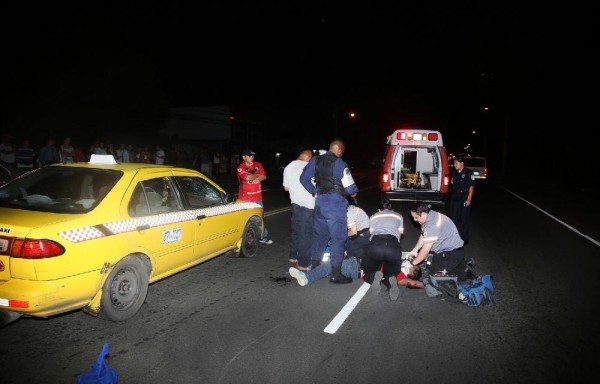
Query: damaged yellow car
x: 92, y: 236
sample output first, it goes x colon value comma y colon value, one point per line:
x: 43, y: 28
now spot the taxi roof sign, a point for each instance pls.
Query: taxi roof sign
x: 102, y: 159
x: 415, y: 137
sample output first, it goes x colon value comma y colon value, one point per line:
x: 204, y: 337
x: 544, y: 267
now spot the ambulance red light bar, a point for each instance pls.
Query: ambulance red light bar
x: 417, y: 136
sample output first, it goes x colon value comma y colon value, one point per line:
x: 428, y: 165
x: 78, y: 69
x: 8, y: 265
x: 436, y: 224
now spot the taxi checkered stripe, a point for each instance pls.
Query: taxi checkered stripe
x: 122, y: 226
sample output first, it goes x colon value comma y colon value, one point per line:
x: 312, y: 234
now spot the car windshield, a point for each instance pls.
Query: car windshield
x: 59, y: 189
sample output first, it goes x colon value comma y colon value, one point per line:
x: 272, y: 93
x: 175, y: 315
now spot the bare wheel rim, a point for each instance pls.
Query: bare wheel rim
x: 125, y: 288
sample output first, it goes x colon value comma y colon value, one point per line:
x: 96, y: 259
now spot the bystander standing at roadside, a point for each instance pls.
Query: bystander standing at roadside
x: 122, y: 154
x: 49, y: 153
x: 159, y: 155
x: 302, y: 210
x: 66, y: 151
x: 25, y: 156
x: 250, y: 175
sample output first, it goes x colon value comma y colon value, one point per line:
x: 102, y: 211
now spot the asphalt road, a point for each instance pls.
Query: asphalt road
x: 242, y: 321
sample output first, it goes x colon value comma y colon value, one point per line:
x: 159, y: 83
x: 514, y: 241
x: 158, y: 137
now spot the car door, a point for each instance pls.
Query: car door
x: 162, y: 227
x: 217, y: 224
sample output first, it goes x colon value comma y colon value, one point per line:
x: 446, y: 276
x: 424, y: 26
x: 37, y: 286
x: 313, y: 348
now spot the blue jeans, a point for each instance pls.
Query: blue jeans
x: 350, y: 269
x: 266, y: 234
x: 302, y: 234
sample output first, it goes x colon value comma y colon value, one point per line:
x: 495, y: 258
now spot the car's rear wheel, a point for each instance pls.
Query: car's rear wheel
x: 124, y: 290
x: 250, y: 239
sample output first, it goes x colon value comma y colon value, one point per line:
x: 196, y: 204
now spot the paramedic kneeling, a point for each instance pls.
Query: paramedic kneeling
x: 440, y: 236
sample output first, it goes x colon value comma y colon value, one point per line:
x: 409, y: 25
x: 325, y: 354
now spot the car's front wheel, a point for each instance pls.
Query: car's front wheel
x: 250, y: 239
x: 124, y: 290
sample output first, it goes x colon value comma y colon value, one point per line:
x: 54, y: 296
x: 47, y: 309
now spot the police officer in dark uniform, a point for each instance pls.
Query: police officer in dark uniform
x: 463, y: 186
x: 334, y: 183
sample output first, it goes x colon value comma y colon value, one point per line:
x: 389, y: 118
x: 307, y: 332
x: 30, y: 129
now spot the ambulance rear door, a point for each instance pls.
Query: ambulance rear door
x: 415, y: 167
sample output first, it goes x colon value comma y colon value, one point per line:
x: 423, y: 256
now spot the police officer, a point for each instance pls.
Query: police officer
x: 334, y: 183
x: 463, y: 186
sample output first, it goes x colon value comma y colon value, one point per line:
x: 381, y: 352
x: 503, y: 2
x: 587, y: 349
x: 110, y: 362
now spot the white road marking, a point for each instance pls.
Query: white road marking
x: 277, y: 211
x: 339, y: 319
x: 552, y: 217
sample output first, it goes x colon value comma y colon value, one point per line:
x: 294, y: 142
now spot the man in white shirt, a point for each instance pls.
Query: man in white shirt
x: 160, y: 155
x: 303, y: 205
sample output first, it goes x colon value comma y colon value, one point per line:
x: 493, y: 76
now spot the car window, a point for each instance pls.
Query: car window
x: 59, y: 189
x: 474, y: 162
x: 153, y: 196
x: 198, y: 192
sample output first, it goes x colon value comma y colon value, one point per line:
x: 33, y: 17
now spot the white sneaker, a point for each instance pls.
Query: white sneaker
x: 269, y: 241
x: 299, y: 275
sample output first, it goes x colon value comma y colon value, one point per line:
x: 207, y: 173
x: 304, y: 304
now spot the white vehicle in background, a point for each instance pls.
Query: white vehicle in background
x: 478, y: 165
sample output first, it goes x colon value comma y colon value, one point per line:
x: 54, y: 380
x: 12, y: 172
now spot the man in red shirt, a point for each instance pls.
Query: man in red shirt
x: 250, y: 174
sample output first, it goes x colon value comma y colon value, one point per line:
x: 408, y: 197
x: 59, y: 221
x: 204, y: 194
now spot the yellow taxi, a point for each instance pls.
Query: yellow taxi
x: 92, y: 236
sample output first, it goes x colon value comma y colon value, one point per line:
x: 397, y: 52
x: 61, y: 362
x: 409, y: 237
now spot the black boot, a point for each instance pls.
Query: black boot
x: 337, y: 277
x: 315, y: 263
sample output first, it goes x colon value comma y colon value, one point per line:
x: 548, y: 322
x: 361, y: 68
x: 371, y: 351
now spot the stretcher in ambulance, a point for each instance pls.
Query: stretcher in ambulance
x: 415, y: 167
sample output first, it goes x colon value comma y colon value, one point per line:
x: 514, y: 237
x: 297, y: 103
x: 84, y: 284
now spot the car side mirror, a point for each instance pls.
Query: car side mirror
x: 230, y: 198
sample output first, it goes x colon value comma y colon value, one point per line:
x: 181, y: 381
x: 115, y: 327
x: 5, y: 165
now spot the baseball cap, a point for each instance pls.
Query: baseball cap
x: 248, y: 152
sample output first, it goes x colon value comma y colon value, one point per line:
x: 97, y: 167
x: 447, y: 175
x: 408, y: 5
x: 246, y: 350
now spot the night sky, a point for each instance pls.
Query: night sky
x: 101, y: 69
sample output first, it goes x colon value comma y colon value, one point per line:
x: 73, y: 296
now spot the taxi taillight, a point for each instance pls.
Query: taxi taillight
x: 18, y: 303
x: 35, y: 249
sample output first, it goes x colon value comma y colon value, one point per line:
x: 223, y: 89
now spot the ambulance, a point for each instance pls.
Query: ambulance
x: 415, y: 167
